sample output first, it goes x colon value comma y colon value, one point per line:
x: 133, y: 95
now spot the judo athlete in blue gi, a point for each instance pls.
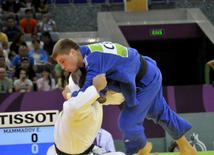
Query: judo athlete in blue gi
x: 140, y: 81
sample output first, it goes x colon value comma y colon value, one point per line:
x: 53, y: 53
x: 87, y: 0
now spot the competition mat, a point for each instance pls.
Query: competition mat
x: 177, y: 153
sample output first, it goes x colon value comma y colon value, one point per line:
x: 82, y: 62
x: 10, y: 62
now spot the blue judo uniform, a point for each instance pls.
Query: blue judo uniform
x: 143, y: 98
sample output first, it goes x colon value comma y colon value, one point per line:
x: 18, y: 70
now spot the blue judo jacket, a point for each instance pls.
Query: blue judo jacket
x: 120, y: 64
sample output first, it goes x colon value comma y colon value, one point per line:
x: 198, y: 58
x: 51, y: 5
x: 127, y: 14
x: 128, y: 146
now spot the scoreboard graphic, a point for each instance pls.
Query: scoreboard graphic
x: 27, y: 133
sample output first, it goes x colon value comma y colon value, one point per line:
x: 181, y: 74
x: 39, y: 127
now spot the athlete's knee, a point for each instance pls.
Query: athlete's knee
x: 132, y: 131
x: 124, y: 127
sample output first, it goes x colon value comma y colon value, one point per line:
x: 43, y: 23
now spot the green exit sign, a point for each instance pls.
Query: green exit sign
x: 157, y: 32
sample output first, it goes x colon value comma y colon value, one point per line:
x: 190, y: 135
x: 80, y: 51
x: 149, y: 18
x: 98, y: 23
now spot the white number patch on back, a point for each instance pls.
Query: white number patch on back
x: 109, y: 47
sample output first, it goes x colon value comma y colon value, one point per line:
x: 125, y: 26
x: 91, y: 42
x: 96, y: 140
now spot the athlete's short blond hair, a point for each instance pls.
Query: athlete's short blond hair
x: 63, y: 46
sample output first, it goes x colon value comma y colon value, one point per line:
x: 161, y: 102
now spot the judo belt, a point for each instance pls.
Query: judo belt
x: 89, y: 150
x: 143, y: 68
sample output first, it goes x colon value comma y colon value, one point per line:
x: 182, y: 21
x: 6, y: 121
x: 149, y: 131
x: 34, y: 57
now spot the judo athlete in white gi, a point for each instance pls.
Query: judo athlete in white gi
x: 79, y: 122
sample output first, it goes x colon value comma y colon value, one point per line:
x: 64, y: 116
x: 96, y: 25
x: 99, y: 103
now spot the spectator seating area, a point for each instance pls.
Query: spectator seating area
x: 86, y: 2
x: 27, y: 37
x: 79, y: 2
x: 4, y: 17
x: 54, y: 36
x: 89, y: 2
x: 58, y: 3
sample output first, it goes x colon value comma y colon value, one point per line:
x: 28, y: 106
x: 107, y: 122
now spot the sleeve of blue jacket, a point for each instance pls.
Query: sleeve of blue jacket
x: 96, y: 65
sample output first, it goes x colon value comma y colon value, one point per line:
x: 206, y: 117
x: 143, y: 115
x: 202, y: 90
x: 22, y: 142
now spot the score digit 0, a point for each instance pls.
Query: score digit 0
x: 34, y: 137
x: 34, y: 147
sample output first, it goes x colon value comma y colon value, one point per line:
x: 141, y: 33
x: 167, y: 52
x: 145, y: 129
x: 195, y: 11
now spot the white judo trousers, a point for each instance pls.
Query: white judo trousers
x: 80, y: 120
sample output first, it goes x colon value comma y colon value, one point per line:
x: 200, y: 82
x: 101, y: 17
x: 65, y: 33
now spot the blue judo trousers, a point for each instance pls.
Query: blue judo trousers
x: 153, y: 106
x: 144, y: 98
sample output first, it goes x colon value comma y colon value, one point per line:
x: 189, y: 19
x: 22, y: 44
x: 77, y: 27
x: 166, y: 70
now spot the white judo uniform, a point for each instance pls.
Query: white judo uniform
x: 80, y: 120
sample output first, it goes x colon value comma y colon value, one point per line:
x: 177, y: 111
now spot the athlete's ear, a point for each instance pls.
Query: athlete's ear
x: 72, y: 52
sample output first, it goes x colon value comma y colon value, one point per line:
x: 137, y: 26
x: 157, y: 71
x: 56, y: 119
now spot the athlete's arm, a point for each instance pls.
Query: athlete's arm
x: 84, y: 100
x: 95, y: 67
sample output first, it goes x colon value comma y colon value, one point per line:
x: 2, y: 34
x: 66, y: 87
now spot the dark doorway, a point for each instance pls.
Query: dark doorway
x: 178, y: 59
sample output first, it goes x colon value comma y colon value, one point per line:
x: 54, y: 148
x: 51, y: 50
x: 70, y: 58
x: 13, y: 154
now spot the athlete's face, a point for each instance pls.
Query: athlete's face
x: 68, y: 62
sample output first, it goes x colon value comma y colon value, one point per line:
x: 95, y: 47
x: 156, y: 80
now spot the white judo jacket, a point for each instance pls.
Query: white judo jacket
x: 80, y: 120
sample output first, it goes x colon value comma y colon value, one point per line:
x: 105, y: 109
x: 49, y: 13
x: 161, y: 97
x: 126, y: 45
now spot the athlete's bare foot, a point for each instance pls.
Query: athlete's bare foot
x: 188, y: 151
x: 185, y: 147
x: 146, y: 150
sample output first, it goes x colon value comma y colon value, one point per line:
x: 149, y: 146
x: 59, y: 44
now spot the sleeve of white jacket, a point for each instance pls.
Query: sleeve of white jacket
x: 111, y: 99
x: 80, y: 106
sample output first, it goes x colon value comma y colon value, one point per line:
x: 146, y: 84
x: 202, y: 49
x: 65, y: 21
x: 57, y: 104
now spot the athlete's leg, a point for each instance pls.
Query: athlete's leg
x: 131, y: 126
x: 176, y: 127
x: 185, y: 147
x: 161, y: 113
x: 131, y: 118
x: 146, y: 150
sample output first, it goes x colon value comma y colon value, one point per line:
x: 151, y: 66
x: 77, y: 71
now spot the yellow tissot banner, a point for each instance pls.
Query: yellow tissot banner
x: 136, y: 5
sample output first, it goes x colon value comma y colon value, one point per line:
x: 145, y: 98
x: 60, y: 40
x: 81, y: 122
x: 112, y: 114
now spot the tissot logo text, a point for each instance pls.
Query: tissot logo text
x: 35, y: 118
